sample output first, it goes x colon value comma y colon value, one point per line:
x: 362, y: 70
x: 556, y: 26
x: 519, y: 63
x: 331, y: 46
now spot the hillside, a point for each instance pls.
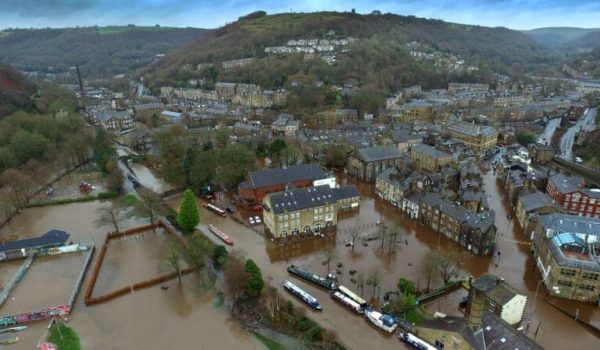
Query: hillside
x: 378, y: 58
x: 102, y: 51
x: 589, y: 41
x: 15, y: 91
x: 561, y: 37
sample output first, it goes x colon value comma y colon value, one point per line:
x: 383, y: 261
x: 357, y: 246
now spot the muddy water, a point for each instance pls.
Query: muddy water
x: 515, y: 265
x: 182, y: 317
x: 148, y: 179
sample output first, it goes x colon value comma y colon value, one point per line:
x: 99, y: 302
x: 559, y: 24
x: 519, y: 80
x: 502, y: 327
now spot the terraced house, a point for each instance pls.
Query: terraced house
x: 305, y: 211
x: 567, y: 254
x: 474, y: 231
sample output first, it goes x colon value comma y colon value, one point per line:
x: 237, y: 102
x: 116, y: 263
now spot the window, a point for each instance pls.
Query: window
x: 590, y: 275
x: 587, y: 287
x: 284, y: 234
x: 567, y: 272
x: 564, y: 283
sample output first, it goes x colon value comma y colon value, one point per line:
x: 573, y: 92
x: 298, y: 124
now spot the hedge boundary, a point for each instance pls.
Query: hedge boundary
x: 101, y: 195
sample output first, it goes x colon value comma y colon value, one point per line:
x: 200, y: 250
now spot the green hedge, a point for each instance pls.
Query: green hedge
x: 101, y: 195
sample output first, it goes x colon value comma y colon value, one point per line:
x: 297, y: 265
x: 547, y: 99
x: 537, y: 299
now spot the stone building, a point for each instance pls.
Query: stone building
x: 305, y: 211
x: 501, y: 298
x: 569, y: 193
x: 366, y: 163
x: 566, y: 250
x: 147, y: 110
x: 479, y: 138
x: 530, y: 206
x: 429, y: 158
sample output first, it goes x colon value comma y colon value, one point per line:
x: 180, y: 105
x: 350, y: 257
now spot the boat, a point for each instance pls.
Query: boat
x: 13, y: 329
x: 328, y: 282
x: 386, y: 322
x: 346, y: 301
x: 6, y: 339
x: 414, y: 342
x: 350, y: 294
x: 222, y: 236
x: 302, y: 295
x: 214, y: 209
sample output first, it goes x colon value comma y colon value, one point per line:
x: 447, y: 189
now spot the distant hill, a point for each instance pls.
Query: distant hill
x: 379, y: 58
x: 101, y: 51
x: 15, y: 91
x: 558, y: 37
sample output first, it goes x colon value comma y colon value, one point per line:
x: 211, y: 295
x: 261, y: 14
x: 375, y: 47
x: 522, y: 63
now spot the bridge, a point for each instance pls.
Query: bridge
x: 591, y: 175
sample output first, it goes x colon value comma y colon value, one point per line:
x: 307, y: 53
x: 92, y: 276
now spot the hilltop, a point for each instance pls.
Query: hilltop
x: 378, y: 58
x: 101, y: 51
x: 561, y: 37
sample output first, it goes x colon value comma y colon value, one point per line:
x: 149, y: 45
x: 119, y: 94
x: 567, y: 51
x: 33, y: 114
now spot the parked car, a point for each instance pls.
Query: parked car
x: 251, y: 220
x: 578, y: 160
x: 230, y: 210
x: 257, y: 219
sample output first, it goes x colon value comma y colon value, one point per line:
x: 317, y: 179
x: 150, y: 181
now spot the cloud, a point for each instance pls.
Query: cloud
x: 518, y: 14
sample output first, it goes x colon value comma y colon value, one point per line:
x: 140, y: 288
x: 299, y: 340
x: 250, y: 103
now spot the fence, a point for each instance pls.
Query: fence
x: 90, y: 300
x: 12, y: 283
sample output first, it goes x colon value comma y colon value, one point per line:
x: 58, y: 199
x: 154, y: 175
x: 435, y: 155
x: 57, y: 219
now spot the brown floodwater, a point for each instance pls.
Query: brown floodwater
x: 182, y: 317
x: 515, y: 265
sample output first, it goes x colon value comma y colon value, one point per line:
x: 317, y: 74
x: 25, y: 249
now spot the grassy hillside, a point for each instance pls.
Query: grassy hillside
x: 103, y: 51
x: 559, y: 37
x: 378, y: 59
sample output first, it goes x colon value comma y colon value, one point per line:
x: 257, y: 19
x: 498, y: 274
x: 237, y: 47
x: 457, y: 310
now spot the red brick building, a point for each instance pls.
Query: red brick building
x: 262, y: 182
x: 569, y: 193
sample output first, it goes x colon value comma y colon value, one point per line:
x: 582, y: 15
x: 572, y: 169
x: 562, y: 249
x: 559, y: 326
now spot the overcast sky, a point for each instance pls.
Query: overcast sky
x: 516, y: 14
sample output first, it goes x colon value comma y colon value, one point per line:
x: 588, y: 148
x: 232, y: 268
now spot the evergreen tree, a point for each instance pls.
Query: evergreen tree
x: 255, y: 280
x: 188, y: 216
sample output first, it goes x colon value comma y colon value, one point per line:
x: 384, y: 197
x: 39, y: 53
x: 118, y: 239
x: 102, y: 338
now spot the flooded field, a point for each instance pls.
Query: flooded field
x: 182, y: 317
x: 134, y: 259
x: 48, y: 282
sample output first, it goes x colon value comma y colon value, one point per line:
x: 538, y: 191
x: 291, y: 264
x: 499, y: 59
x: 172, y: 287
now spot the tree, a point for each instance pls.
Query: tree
x: 234, y: 160
x: 255, y: 280
x: 20, y: 187
x: 219, y: 256
x: 374, y: 280
x: 406, y: 287
x: 188, y: 217
x: 187, y: 163
x: 336, y: 156
x: 330, y: 255
x: 277, y: 146
x: 236, y: 278
x: 197, y: 248
x: 111, y: 215
x: 222, y: 136
x: 290, y: 156
x: 394, y: 234
x: 360, y: 282
x: 173, y: 262
x: 525, y: 138
x: 27, y: 145
x: 103, y: 148
x: 429, y: 267
x: 149, y: 205
x: 449, y: 263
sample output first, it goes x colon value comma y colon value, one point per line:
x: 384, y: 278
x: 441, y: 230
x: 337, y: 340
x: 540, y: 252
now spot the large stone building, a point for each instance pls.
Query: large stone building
x: 567, y: 254
x: 259, y: 183
x: 429, y: 158
x: 366, y: 163
x: 479, y: 138
x: 147, y: 110
x: 569, y: 193
x: 415, y: 110
x: 304, y: 211
x: 474, y: 231
x: 530, y: 206
x: 285, y: 125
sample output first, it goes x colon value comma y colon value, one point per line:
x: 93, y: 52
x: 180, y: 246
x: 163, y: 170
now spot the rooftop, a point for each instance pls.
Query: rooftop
x: 566, y: 184
x: 570, y: 250
x: 470, y: 129
x: 536, y: 200
x: 373, y: 154
x: 309, y: 197
x: 151, y: 105
x: 430, y: 151
x: 280, y: 176
x: 50, y: 238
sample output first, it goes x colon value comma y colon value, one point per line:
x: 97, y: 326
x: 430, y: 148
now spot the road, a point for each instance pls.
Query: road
x: 546, y: 137
x: 587, y: 122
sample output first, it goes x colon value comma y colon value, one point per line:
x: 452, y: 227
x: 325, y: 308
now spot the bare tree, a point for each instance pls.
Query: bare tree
x: 330, y: 255
x: 19, y: 186
x: 149, y: 205
x: 429, y: 267
x: 111, y: 215
x: 394, y: 234
x: 449, y: 263
x: 383, y: 232
x: 236, y: 278
x: 173, y: 261
x: 374, y: 280
x: 360, y: 282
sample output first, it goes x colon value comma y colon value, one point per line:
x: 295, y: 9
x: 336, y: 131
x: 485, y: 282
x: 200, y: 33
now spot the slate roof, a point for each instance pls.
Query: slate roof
x: 403, y: 135
x: 536, y: 200
x: 571, y: 223
x: 430, y: 151
x: 373, y: 154
x: 309, y: 197
x: 566, y: 184
x: 50, y: 238
x: 151, y: 105
x: 495, y: 288
x: 470, y: 129
x: 482, y: 221
x: 279, y: 176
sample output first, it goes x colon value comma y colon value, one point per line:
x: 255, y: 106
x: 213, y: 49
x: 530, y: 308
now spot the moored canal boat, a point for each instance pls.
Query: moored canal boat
x: 346, y: 301
x: 214, y: 209
x: 328, y: 282
x: 302, y: 295
x: 222, y: 236
x: 386, y: 322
